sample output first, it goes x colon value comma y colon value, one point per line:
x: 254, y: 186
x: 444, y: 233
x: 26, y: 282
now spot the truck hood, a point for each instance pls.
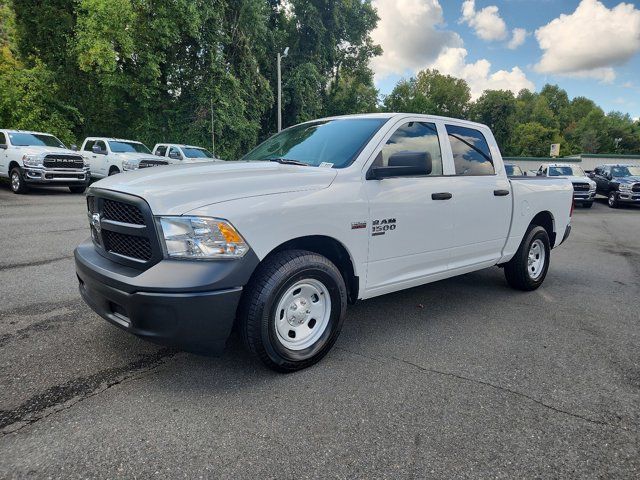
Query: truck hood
x: 177, y: 189
x: 35, y: 150
x: 627, y: 180
x: 581, y: 179
x: 138, y: 156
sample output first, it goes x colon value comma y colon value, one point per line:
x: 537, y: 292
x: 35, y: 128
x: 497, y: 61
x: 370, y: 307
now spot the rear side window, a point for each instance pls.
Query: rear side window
x: 3, y: 138
x: 471, y: 153
x: 161, y: 151
x: 419, y: 137
x: 89, y: 145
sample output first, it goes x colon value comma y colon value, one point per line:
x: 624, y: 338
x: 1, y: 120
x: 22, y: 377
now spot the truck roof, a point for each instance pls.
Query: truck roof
x: 12, y: 130
x: 111, y: 139
x: 390, y: 115
x: 557, y: 165
x: 179, y: 145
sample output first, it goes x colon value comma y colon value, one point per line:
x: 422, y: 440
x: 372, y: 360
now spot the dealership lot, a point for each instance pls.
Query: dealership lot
x: 464, y: 377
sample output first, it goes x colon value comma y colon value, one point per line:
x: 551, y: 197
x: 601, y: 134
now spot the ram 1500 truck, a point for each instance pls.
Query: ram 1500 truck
x: 619, y: 183
x: 176, y: 153
x: 584, y: 188
x: 108, y: 156
x: 320, y: 215
x: 35, y: 158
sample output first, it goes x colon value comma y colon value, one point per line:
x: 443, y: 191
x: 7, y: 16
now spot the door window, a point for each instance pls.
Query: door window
x: 414, y: 137
x: 3, y: 138
x: 175, y: 153
x: 471, y: 153
x: 89, y: 145
x: 102, y: 145
x: 161, y: 150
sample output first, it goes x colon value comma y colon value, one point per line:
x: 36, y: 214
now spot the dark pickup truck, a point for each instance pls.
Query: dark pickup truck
x: 619, y: 183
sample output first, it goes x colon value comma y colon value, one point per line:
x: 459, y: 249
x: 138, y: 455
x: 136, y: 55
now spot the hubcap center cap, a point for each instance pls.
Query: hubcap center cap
x: 298, y: 312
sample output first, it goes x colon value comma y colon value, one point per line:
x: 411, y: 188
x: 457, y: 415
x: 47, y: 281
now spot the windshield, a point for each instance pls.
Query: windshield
x: 34, y: 140
x: 128, y: 147
x: 568, y: 171
x: 629, y: 171
x: 513, y: 170
x: 334, y: 143
x: 191, y: 152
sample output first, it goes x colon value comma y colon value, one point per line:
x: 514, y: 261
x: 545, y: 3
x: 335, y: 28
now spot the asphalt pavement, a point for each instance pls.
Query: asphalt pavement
x: 463, y: 378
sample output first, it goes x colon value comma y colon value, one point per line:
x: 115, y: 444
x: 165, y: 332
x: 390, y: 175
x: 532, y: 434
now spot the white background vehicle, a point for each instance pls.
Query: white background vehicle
x: 584, y: 188
x: 324, y: 213
x: 108, y: 156
x: 176, y: 153
x: 35, y: 158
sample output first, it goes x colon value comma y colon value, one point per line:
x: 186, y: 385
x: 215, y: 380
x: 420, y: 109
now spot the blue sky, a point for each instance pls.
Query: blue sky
x: 589, y: 47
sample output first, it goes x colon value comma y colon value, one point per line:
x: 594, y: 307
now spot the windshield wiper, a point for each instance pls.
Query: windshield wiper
x: 286, y: 161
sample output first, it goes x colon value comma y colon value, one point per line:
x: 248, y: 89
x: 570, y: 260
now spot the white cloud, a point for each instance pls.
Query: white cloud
x: 590, y: 41
x: 487, y: 23
x: 453, y: 61
x: 411, y: 34
x: 519, y: 35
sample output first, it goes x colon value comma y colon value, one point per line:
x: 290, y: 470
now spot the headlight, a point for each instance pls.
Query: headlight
x: 624, y: 187
x: 201, y: 238
x: 32, y: 161
x: 130, y: 164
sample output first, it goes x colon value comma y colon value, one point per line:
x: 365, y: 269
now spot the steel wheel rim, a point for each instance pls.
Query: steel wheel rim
x: 536, y: 259
x: 15, y: 181
x: 303, y: 314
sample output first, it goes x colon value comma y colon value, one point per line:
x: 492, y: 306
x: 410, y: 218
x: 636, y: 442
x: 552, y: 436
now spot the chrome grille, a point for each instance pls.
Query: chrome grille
x: 581, y: 187
x: 151, y: 163
x: 63, y: 161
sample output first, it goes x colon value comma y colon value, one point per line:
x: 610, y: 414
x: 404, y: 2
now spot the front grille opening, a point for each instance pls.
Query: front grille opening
x: 580, y: 187
x: 122, y: 212
x: 127, y: 245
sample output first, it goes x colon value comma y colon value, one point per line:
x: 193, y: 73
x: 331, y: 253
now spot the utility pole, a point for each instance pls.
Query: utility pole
x: 280, y: 57
x: 213, y: 138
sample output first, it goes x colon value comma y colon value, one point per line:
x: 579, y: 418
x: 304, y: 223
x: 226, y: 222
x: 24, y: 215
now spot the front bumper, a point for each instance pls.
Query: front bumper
x: 584, y: 196
x: 55, y: 176
x: 629, y: 197
x: 186, y: 304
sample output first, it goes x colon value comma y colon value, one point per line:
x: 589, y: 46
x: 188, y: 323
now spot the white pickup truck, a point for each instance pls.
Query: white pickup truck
x: 584, y: 188
x: 322, y: 214
x: 36, y: 158
x: 108, y: 156
x: 177, y: 153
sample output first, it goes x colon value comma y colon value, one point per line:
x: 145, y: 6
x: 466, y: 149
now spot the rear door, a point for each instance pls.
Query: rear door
x: 482, y: 195
x: 4, y: 154
x: 411, y: 217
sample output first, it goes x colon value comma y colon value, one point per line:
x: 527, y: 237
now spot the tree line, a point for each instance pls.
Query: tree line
x: 156, y: 70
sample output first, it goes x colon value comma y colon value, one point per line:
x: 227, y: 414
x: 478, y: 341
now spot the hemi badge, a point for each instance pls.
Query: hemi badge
x: 358, y: 225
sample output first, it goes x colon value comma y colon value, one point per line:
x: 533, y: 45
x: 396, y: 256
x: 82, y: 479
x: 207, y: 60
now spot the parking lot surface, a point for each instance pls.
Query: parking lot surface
x: 461, y: 378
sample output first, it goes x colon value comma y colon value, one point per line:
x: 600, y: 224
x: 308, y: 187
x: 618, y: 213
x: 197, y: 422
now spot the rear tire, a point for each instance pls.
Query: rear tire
x: 613, y: 199
x: 78, y: 189
x: 528, y: 268
x: 293, y: 309
x: 17, y: 181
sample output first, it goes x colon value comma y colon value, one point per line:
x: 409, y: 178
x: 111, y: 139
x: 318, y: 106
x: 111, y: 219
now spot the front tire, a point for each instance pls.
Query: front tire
x: 528, y: 268
x: 293, y: 310
x: 613, y: 199
x: 17, y: 181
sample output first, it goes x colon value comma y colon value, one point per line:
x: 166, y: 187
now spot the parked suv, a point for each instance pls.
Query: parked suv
x: 108, y: 156
x: 35, y: 158
x: 176, y: 153
x: 619, y: 183
x: 584, y: 189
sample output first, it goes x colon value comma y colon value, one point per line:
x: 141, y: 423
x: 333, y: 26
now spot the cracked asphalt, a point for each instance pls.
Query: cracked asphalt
x: 463, y: 378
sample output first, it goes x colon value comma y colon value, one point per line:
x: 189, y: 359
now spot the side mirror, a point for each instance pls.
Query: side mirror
x: 74, y: 147
x: 539, y: 173
x: 608, y: 176
x: 403, y: 164
x: 4, y: 146
x: 96, y: 149
x: 175, y: 155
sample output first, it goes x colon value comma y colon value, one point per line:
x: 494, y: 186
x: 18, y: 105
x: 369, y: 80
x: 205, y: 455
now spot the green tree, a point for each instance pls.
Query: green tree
x: 533, y: 140
x: 496, y: 108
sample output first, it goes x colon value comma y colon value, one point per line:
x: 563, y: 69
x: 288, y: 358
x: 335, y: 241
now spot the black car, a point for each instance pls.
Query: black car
x: 619, y: 183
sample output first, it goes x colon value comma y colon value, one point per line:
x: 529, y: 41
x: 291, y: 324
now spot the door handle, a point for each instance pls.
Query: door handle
x: 501, y: 193
x: 441, y: 196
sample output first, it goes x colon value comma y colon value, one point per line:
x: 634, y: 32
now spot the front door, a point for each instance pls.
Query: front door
x: 411, y: 218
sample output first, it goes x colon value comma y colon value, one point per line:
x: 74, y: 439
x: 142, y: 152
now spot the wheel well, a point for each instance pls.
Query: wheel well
x: 334, y: 251
x: 113, y: 167
x: 13, y: 165
x: 545, y: 220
